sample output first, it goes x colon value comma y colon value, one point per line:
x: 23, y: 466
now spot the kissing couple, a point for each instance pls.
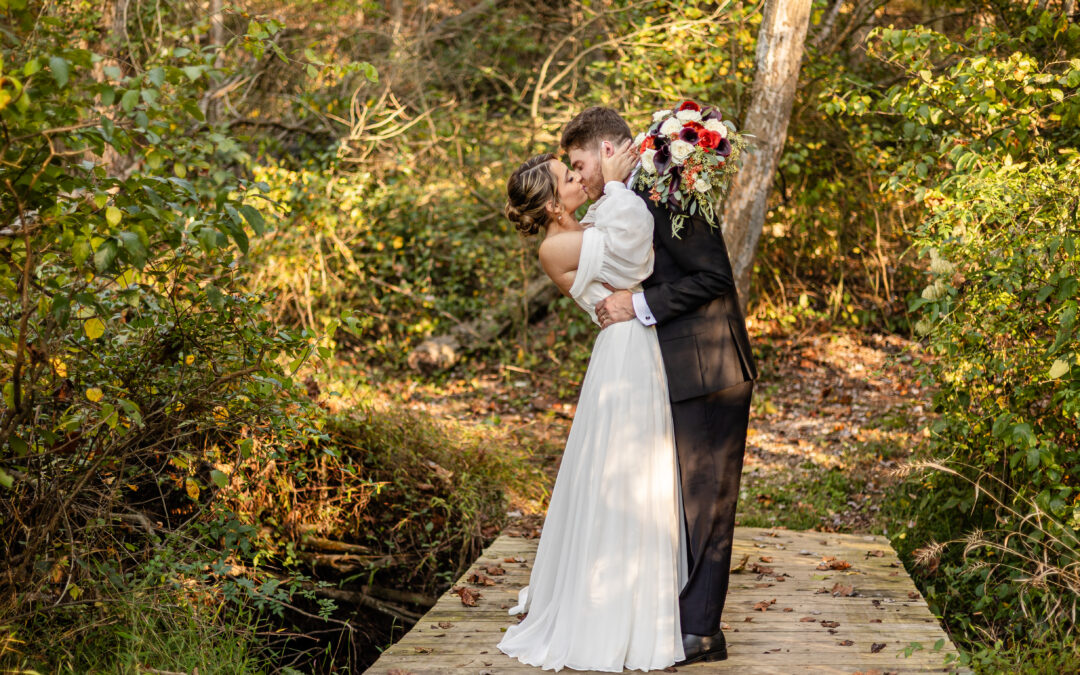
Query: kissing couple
x: 632, y: 567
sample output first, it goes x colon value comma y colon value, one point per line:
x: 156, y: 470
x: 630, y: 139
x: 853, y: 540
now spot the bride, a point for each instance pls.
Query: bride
x: 604, y: 589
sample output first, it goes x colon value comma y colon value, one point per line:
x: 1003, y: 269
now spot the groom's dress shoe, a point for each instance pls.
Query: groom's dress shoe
x: 703, y: 648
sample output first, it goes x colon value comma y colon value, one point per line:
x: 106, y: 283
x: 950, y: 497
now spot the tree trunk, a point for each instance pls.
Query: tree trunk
x: 779, y: 53
x: 444, y: 351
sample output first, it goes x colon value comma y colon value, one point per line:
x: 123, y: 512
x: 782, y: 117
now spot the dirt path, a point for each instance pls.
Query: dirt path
x: 832, y: 414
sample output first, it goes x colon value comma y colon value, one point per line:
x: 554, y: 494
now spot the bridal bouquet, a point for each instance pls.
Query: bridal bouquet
x: 688, y: 158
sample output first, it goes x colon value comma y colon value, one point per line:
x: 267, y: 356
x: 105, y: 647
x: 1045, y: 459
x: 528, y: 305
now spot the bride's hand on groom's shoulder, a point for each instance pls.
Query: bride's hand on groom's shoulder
x: 618, y: 164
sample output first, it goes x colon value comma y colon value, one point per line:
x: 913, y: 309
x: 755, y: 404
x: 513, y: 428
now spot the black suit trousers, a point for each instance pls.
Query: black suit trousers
x: 710, y: 440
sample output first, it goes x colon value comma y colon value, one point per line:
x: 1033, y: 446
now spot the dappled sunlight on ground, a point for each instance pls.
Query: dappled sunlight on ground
x: 832, y: 414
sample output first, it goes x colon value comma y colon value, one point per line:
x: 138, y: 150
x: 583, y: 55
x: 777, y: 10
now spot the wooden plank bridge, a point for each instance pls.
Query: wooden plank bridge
x: 799, y: 602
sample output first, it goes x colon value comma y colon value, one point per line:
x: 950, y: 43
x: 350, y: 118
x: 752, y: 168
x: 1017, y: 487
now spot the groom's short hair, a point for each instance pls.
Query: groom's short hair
x: 593, y: 125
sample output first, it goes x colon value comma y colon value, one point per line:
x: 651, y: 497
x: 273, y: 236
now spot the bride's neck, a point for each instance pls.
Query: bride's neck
x: 569, y: 225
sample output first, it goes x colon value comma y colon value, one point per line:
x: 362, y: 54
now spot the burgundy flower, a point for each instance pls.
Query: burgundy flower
x: 690, y: 135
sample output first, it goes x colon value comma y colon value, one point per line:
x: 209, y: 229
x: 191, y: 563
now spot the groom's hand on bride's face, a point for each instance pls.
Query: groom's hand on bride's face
x: 615, y: 308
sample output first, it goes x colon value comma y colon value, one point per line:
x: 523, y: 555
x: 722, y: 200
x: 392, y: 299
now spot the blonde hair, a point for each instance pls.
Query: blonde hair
x: 530, y: 188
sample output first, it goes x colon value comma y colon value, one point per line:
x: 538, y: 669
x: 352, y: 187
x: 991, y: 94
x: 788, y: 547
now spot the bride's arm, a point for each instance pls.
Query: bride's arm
x: 559, y: 257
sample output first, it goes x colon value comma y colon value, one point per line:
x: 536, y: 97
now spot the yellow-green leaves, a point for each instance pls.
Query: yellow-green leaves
x: 1059, y: 368
x: 94, y: 328
x: 113, y: 215
x: 94, y: 394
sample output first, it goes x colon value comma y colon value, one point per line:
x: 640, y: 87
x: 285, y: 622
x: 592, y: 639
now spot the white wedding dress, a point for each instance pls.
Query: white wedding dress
x: 604, y: 589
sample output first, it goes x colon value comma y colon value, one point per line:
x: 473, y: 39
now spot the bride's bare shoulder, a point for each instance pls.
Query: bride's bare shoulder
x: 561, y: 248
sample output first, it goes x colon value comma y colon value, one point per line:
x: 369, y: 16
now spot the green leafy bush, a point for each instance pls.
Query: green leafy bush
x: 987, y: 131
x: 136, y: 368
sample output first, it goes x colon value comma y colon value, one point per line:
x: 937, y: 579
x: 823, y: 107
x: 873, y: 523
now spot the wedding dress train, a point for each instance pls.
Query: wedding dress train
x: 604, y: 589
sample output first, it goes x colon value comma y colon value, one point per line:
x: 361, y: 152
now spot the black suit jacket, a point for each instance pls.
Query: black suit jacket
x: 691, y: 292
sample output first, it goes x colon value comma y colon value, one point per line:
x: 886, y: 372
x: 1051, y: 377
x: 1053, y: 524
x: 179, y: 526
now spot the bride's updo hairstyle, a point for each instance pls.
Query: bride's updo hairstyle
x: 530, y: 188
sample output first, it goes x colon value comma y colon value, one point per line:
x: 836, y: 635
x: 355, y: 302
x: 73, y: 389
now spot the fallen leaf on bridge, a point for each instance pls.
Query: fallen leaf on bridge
x: 842, y: 590
x: 480, y: 579
x: 831, y: 563
x: 877, y: 647
x: 764, y: 604
x: 468, y: 596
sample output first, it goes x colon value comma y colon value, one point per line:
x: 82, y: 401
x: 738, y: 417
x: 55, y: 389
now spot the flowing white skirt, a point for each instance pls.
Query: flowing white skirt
x: 604, y: 589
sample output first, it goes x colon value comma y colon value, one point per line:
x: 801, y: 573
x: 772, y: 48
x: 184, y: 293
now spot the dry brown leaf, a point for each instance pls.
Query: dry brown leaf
x: 830, y: 624
x: 468, y: 595
x: 762, y: 585
x: 789, y: 609
x: 764, y: 604
x: 495, y: 570
x: 845, y: 643
x: 480, y: 579
x: 875, y: 554
x: 833, y: 564
x: 423, y: 650
x: 761, y: 569
x: 877, y: 647
x: 741, y: 567
x: 842, y: 590
x: 913, y: 594
x: 820, y: 591
x: 875, y: 620
x: 445, y: 625
x: 807, y: 619
x: 748, y: 619
x: 765, y: 558
x: 513, y: 560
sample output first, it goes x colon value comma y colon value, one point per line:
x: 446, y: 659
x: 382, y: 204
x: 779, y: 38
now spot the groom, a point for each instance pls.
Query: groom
x: 691, y: 299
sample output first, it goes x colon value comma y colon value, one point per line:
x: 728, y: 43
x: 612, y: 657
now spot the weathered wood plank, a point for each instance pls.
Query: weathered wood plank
x: 885, y: 613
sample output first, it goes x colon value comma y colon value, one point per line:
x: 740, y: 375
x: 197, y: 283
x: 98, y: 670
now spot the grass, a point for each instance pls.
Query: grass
x: 135, y: 631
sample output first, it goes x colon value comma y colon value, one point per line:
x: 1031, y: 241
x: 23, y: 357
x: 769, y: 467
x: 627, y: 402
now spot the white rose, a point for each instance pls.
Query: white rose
x: 639, y: 139
x: 689, y: 115
x: 647, y: 161
x: 660, y: 114
x: 702, y: 185
x: 671, y: 127
x: 717, y: 126
x: 680, y: 150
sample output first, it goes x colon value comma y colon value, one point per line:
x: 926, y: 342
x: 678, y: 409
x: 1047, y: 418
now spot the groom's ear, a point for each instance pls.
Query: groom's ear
x: 606, y: 149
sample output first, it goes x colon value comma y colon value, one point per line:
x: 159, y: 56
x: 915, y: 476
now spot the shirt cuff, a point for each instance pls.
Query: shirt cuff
x: 641, y: 308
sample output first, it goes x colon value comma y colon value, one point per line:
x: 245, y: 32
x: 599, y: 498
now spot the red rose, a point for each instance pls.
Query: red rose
x: 709, y: 139
x: 689, y: 105
x: 649, y: 142
x: 696, y: 126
